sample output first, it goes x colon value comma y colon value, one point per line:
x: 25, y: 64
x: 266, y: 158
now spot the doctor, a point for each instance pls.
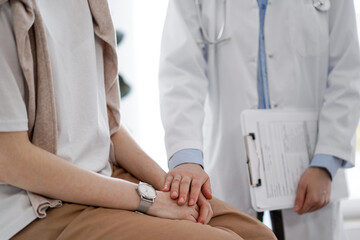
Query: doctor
x: 221, y: 57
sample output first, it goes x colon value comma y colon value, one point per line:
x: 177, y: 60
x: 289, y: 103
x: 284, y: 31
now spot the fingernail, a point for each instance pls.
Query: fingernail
x: 191, y: 202
x: 297, y: 207
x: 182, y: 199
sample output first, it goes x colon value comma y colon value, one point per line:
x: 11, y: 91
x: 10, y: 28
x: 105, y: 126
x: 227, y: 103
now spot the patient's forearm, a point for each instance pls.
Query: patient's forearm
x: 28, y: 167
x: 131, y: 157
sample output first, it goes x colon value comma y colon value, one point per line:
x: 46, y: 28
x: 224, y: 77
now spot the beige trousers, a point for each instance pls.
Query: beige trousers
x: 75, y: 221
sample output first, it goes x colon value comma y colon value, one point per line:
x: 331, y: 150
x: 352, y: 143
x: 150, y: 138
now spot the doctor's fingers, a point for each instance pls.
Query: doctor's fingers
x: 199, y: 187
x: 305, y: 208
x: 193, y: 185
x: 175, y: 184
x: 184, y: 189
x: 314, y: 203
x: 318, y: 201
x: 300, y: 197
x: 195, y: 191
x: 315, y: 199
x: 304, y: 199
x: 168, y: 180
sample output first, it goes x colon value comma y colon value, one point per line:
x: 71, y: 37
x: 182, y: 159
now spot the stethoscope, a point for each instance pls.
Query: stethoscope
x: 205, y: 37
x: 318, y: 4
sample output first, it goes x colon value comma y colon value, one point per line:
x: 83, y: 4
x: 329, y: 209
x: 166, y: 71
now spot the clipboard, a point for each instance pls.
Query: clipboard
x: 279, y: 146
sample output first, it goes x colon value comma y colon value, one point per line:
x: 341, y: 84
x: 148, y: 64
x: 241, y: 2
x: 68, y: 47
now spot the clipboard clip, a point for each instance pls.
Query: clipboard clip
x: 253, y: 181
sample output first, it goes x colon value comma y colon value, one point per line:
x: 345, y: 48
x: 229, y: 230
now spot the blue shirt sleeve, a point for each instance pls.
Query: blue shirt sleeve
x: 330, y: 163
x: 188, y: 155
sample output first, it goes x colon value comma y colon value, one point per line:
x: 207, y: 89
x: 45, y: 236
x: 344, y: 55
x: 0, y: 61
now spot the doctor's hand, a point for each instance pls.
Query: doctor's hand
x: 187, y: 178
x: 313, y: 190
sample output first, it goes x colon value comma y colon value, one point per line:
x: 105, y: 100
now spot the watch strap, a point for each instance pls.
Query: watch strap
x: 144, y: 205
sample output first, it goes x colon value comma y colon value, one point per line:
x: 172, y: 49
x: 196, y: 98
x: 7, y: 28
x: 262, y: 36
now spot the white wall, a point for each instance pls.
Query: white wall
x: 142, y: 22
x: 354, y: 173
x: 351, y: 206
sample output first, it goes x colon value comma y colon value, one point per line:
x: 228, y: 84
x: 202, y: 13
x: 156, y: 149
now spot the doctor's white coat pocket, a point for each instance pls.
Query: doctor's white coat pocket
x: 309, y: 31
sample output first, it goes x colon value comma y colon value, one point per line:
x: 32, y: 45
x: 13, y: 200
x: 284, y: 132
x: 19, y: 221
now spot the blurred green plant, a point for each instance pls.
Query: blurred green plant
x: 124, y: 87
x: 358, y: 139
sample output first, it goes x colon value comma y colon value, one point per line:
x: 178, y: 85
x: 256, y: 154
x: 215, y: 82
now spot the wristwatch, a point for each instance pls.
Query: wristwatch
x: 147, y: 195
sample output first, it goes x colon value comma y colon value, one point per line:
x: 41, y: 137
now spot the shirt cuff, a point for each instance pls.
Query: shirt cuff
x: 188, y: 155
x: 330, y: 163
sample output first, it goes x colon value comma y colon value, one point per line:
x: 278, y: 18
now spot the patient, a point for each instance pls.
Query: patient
x: 61, y: 138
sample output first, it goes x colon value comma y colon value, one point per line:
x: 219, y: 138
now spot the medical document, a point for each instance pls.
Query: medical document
x: 280, y: 145
x: 286, y: 149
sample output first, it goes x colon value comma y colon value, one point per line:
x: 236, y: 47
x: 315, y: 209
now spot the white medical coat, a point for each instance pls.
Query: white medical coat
x: 312, y: 63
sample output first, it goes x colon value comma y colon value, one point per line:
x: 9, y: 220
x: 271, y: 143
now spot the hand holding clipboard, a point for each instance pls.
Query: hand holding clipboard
x: 280, y: 145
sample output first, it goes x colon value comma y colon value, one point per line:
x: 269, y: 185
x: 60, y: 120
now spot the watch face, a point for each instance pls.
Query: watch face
x: 147, y: 191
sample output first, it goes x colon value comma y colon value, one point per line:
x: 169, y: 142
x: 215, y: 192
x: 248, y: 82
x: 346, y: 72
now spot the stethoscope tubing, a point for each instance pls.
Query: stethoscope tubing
x: 206, y: 39
x: 219, y: 39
